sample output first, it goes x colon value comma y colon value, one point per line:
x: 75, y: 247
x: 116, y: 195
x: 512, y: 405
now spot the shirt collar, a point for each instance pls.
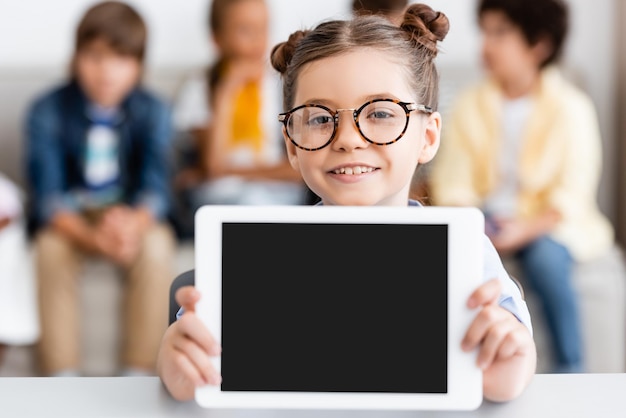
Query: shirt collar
x: 411, y: 202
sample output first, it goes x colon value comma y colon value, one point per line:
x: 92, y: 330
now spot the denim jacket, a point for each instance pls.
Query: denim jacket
x: 56, y: 128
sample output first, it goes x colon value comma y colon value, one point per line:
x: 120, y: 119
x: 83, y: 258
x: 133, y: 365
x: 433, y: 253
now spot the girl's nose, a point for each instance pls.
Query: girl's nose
x: 348, y: 137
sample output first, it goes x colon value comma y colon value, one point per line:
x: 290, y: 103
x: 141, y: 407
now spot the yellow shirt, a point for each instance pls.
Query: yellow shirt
x: 246, y: 127
x: 559, y: 167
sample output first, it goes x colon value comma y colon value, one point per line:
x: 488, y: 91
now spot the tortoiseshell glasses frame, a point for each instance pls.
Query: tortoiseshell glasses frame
x: 381, y: 120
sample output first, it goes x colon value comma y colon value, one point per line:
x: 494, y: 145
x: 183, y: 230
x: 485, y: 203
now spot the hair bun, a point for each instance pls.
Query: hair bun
x: 282, y: 53
x: 425, y: 26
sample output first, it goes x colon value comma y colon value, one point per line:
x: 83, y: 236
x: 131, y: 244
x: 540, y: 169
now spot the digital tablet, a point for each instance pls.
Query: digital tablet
x: 340, y: 307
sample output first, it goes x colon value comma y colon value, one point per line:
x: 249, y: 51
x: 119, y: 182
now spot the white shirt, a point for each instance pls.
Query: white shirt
x: 502, y: 202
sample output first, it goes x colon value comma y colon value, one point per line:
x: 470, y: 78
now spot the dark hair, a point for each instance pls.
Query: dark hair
x: 118, y: 24
x: 216, y: 18
x: 413, y: 44
x: 537, y: 19
x: 383, y: 7
x: 217, y: 13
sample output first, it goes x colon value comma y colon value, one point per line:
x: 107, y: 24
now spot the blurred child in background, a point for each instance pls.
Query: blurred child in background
x: 98, y: 148
x: 230, y: 109
x: 524, y: 145
x: 19, y: 323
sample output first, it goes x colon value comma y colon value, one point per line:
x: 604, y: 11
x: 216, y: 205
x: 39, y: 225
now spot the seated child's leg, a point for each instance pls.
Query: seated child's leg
x: 145, y: 299
x: 57, y: 268
x: 548, y: 266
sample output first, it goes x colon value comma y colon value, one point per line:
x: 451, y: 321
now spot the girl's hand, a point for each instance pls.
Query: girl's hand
x: 184, y: 356
x: 507, y: 353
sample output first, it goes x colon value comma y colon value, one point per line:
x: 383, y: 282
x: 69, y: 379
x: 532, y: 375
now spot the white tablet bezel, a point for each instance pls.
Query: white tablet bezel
x: 465, y: 259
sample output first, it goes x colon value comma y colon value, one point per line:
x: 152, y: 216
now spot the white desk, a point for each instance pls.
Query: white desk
x: 583, y: 395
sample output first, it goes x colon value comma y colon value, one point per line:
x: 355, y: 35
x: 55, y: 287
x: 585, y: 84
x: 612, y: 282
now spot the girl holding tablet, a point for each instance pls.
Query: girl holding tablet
x: 360, y: 99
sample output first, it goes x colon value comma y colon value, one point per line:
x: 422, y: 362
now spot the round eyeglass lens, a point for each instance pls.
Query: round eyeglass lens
x: 382, y: 122
x: 311, y: 127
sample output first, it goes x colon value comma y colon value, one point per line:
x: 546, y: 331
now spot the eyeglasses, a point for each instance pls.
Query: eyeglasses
x: 381, y: 122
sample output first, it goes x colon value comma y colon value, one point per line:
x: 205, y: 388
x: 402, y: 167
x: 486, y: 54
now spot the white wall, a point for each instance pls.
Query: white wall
x: 36, y: 36
x: 39, y: 33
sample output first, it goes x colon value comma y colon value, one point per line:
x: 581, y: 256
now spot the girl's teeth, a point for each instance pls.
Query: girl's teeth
x: 353, y: 170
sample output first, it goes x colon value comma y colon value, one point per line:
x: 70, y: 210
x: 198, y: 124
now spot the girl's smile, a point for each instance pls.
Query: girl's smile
x: 351, y: 170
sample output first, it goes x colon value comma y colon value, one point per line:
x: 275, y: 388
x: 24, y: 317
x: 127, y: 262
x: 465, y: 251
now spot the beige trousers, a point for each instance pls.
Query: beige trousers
x: 145, y: 305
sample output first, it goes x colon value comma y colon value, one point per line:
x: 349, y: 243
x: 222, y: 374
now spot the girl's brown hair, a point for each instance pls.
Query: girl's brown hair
x: 378, y: 6
x: 413, y: 45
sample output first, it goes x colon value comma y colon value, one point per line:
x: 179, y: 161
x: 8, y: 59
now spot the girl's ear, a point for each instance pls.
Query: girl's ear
x: 291, y: 152
x: 432, y: 135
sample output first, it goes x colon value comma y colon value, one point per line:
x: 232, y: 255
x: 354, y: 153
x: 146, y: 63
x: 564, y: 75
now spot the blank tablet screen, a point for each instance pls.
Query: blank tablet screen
x: 324, y: 307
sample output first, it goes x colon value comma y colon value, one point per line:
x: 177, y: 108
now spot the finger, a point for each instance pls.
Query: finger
x: 187, y: 369
x: 487, y: 294
x: 478, y: 329
x: 106, y: 246
x: 190, y: 326
x: 492, y: 342
x: 118, y: 227
x: 109, y: 216
x: 118, y: 217
x: 187, y: 297
x: 516, y: 341
x: 496, y: 240
x: 106, y: 228
x: 199, y: 359
x: 502, y: 245
x: 126, y: 257
x: 503, y: 221
x: 129, y: 246
x: 119, y: 210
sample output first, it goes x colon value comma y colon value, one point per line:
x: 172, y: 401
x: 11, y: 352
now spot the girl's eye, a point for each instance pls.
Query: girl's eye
x: 320, y: 120
x: 380, y: 114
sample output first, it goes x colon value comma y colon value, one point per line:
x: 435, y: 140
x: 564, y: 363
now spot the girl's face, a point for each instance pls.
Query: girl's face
x: 350, y: 170
x: 104, y: 74
x: 245, y: 30
x: 505, y: 51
